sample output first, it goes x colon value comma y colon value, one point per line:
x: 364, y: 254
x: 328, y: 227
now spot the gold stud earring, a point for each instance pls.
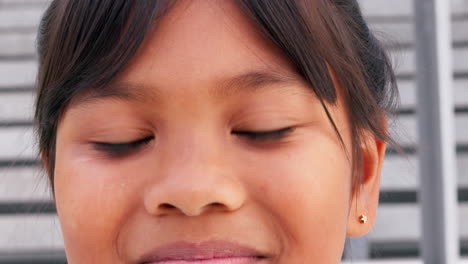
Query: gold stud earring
x: 362, y: 219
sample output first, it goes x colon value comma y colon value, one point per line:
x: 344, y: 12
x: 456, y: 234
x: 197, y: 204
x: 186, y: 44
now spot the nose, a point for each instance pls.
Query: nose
x: 192, y: 180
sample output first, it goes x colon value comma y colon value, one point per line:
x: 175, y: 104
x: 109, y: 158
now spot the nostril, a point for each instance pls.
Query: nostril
x: 167, y: 207
x: 216, y: 204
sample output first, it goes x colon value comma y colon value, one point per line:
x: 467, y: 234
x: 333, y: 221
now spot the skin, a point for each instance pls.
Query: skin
x: 197, y: 178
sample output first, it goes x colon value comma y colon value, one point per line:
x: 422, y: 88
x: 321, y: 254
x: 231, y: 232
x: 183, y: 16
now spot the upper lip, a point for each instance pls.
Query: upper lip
x: 200, y: 251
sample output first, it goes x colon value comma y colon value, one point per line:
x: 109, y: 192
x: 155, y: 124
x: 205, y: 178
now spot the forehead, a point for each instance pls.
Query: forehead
x: 200, y: 41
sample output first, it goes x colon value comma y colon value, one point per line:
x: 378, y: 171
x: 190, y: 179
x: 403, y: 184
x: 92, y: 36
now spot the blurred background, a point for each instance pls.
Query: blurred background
x: 29, y: 228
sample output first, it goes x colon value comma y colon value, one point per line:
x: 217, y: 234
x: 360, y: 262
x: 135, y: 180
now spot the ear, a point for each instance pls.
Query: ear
x: 365, y: 197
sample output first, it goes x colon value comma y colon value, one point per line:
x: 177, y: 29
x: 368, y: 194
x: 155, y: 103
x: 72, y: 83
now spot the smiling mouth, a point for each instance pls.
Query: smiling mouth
x: 211, y: 252
x: 233, y: 260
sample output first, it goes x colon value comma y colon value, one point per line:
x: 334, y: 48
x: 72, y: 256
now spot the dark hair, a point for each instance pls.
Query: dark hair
x: 84, y: 45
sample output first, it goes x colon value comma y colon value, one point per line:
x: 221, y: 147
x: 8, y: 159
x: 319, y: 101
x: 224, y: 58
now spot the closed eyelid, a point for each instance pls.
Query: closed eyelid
x: 266, y: 135
x: 120, y: 148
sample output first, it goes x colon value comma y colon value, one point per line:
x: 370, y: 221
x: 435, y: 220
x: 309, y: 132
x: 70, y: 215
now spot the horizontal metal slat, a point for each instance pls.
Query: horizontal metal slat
x: 404, y: 249
x: 404, y: 61
x: 402, y: 8
x: 33, y: 257
x: 405, y: 131
x: 397, y: 222
x: 19, y: 163
x: 17, y: 144
x: 17, y: 73
x: 25, y: 17
x: 30, y: 232
x: 27, y: 208
x: 23, y: 2
x: 382, y: 8
x: 403, y: 33
x: 17, y: 44
x: 23, y: 184
x: 16, y: 107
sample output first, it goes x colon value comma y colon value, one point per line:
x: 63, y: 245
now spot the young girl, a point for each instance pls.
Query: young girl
x: 211, y: 131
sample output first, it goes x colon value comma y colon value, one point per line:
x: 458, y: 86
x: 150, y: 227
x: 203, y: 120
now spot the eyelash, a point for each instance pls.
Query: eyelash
x: 266, y: 135
x: 119, y: 149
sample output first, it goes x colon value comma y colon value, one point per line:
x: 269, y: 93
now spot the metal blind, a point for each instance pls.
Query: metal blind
x: 29, y: 228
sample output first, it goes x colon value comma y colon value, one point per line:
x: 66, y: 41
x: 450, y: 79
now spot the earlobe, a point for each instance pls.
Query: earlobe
x: 364, y: 200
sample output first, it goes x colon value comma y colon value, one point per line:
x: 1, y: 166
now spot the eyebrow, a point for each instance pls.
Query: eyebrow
x: 255, y: 80
x: 245, y: 82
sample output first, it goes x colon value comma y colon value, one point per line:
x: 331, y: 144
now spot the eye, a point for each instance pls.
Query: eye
x: 120, y: 149
x: 266, y: 135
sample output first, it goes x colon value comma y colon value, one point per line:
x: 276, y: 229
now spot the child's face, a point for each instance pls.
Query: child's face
x: 191, y: 99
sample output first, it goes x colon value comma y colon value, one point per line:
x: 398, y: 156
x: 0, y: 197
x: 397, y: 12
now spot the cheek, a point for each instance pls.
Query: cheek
x: 307, y: 189
x: 93, y: 203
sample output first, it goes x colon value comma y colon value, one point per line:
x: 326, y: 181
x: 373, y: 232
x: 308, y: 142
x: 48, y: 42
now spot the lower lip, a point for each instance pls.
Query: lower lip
x: 242, y: 260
